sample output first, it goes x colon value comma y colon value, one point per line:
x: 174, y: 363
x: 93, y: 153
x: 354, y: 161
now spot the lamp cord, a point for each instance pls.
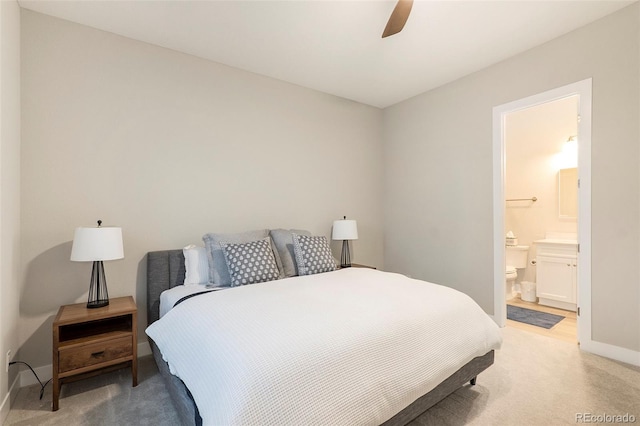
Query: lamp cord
x: 34, y: 373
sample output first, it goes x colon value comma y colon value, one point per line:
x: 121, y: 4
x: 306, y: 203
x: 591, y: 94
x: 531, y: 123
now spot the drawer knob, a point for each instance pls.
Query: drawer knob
x: 97, y: 354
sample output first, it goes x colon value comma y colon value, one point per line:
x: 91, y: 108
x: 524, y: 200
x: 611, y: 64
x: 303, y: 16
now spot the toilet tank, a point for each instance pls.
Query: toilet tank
x: 516, y: 256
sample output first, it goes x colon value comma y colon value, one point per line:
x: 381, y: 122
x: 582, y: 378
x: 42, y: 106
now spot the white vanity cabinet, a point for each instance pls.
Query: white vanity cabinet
x: 557, y: 273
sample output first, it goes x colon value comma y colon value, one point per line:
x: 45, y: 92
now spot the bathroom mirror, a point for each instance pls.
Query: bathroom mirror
x: 568, y: 193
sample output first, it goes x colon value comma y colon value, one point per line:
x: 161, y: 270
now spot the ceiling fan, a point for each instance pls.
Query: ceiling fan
x: 398, y: 18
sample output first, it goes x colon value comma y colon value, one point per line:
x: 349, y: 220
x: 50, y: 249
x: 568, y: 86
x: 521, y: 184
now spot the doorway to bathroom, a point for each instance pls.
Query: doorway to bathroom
x: 542, y: 213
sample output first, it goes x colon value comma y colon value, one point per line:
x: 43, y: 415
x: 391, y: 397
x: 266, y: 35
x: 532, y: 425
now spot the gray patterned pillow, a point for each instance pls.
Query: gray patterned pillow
x: 313, y: 254
x: 283, y: 240
x: 250, y: 263
x: 218, y: 270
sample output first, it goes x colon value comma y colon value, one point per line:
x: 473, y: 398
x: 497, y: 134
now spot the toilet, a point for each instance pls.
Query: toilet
x: 516, y: 258
x: 511, y: 275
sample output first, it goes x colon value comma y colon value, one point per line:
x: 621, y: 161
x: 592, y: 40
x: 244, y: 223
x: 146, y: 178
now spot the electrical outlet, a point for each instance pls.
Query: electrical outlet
x: 6, y: 367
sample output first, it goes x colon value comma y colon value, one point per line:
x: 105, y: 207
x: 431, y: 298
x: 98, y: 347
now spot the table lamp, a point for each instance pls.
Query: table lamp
x: 345, y: 230
x: 96, y: 245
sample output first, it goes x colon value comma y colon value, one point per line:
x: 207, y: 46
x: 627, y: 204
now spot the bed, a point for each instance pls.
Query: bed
x: 166, y: 270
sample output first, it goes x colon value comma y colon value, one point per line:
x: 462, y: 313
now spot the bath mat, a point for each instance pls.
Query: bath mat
x: 529, y: 316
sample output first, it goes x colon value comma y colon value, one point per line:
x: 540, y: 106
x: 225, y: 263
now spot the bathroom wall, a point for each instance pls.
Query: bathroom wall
x: 534, y: 143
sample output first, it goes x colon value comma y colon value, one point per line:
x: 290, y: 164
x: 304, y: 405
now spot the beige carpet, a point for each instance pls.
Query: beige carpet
x: 539, y: 380
x: 536, y: 380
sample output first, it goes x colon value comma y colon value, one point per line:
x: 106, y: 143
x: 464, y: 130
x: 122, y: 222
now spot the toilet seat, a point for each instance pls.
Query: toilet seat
x: 511, y: 272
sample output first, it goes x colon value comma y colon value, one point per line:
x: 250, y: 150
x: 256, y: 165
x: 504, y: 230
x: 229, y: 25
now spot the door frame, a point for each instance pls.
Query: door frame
x: 583, y: 89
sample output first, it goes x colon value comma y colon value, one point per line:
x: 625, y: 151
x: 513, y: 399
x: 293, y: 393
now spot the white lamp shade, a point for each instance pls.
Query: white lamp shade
x: 91, y: 244
x: 345, y: 230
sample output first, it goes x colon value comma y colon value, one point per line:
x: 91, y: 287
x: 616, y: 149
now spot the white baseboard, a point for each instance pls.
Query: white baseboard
x: 493, y: 318
x: 4, y: 408
x: 557, y: 304
x: 8, y: 400
x: 45, y: 372
x: 610, y: 351
x: 27, y: 378
x: 144, y: 349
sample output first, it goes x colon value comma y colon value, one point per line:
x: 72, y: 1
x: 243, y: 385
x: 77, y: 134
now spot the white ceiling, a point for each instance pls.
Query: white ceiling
x: 336, y: 46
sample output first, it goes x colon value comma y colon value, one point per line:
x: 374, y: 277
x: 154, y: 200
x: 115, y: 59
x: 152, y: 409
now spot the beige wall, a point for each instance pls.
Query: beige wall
x: 170, y: 146
x: 438, y: 170
x: 131, y: 133
x: 9, y: 192
x: 534, y: 140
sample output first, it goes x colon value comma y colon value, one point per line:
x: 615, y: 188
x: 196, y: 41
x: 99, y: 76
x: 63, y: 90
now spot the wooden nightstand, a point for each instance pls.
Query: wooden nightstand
x: 87, y: 342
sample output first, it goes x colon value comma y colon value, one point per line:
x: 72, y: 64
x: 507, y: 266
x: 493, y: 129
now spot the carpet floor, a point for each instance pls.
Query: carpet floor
x: 536, y: 380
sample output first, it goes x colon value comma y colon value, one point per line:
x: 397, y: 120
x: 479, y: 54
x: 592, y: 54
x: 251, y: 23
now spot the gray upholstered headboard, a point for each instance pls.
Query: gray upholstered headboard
x: 165, y: 269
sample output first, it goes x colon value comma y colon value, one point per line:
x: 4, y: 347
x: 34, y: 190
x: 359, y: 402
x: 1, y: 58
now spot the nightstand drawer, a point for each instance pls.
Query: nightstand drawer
x: 95, y: 353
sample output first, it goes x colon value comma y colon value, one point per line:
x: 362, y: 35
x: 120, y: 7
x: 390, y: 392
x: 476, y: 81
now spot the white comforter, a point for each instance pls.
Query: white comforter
x: 349, y: 347
x: 169, y: 298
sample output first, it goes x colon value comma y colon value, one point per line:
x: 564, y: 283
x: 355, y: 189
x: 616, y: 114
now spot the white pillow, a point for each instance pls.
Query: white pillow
x: 196, y: 265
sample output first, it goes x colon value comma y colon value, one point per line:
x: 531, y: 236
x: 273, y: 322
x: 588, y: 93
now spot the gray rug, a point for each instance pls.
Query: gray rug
x: 529, y: 316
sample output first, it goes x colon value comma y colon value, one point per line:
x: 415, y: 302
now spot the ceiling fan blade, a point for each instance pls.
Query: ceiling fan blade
x: 398, y: 18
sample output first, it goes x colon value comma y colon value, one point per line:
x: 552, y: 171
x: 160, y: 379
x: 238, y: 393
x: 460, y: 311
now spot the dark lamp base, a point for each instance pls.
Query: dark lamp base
x: 98, y: 295
x: 97, y: 304
x: 345, y: 258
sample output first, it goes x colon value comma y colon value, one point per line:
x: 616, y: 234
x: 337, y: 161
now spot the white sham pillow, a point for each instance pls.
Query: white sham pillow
x: 196, y: 265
